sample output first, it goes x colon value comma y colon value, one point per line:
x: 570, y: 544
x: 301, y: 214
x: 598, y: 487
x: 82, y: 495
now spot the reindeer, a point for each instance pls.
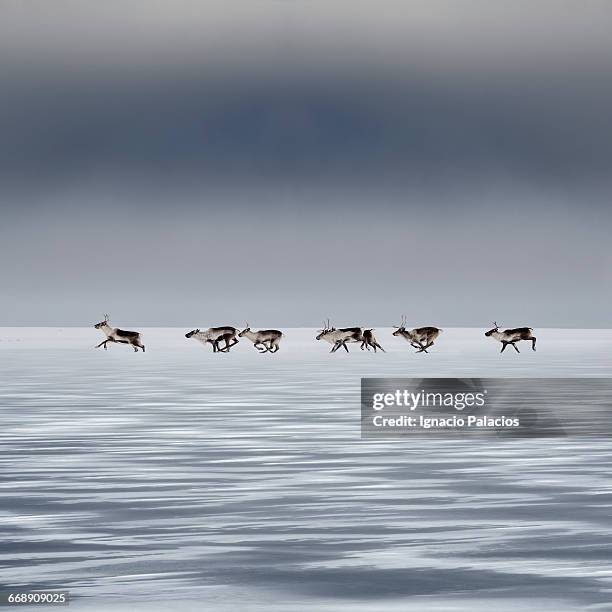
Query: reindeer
x: 215, y: 335
x: 421, y: 338
x: 370, y: 341
x: 339, y: 337
x: 259, y: 339
x: 114, y: 334
x: 512, y: 336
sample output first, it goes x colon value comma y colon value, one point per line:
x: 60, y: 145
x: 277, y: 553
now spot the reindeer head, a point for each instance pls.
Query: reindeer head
x: 246, y: 330
x: 492, y: 331
x: 102, y: 323
x: 401, y: 328
x: 192, y: 333
x: 327, y: 328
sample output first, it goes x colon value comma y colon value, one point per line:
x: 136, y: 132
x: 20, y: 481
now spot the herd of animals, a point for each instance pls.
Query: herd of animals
x: 222, y: 339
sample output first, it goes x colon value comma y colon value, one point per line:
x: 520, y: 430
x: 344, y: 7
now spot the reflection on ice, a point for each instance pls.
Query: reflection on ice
x: 215, y: 480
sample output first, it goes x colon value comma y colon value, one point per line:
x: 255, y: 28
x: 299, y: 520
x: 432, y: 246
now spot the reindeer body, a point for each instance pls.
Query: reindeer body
x: 339, y: 337
x: 120, y: 336
x: 264, y: 340
x: 215, y: 335
x: 421, y: 338
x: 511, y: 336
x: 370, y: 341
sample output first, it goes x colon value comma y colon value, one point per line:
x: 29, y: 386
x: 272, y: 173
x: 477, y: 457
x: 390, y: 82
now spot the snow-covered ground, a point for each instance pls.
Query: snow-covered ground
x: 183, y: 480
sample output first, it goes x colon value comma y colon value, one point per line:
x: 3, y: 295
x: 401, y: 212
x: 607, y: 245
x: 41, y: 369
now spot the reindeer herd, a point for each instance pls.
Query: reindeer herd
x: 265, y: 341
x: 222, y: 339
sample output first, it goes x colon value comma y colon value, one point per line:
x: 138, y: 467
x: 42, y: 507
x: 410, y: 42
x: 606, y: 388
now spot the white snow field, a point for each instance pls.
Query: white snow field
x: 179, y: 479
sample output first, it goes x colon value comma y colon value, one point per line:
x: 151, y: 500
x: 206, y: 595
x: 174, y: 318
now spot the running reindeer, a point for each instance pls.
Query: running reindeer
x: 259, y: 339
x: 370, y: 341
x: 421, y: 338
x: 114, y: 334
x: 215, y: 335
x: 512, y: 336
x: 339, y: 337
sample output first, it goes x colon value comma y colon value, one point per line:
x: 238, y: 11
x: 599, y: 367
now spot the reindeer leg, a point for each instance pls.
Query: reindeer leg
x: 422, y: 349
x: 102, y: 343
x: 345, y: 347
x: 533, y: 343
x: 228, y: 344
x: 269, y: 346
x: 219, y: 349
x: 141, y: 346
x: 515, y: 347
x: 427, y: 346
x: 107, y: 341
x: 380, y: 347
x: 504, y: 345
x: 335, y: 347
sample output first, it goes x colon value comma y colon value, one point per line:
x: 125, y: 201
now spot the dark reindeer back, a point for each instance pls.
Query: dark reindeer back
x: 126, y: 334
x: 228, y: 329
x: 427, y: 330
x: 523, y: 332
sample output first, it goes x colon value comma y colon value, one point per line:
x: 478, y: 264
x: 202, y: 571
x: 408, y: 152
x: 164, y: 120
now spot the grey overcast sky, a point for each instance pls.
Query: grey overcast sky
x: 194, y: 162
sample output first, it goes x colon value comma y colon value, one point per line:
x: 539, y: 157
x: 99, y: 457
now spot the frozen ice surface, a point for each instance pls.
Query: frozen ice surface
x: 182, y: 480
